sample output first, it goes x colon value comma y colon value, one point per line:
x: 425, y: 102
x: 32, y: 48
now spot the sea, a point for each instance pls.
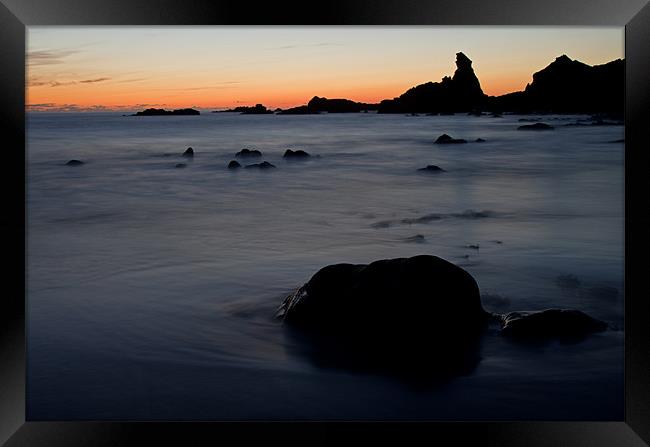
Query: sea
x: 152, y: 289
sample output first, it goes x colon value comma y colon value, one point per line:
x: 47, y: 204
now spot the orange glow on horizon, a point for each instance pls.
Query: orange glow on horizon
x: 115, y: 97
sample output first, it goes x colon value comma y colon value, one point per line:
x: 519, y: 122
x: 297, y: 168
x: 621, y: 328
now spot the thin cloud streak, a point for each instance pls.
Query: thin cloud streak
x: 88, y: 81
x: 48, y: 57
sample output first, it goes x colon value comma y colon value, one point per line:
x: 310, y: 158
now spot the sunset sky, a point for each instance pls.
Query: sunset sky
x: 129, y: 68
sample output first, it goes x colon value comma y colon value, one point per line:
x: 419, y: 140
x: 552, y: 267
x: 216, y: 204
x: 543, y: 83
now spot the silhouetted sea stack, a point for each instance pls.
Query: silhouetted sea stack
x: 189, y: 152
x: 263, y: 165
x: 446, y: 139
x: 432, y: 169
x: 298, y: 154
x: 536, y: 126
x: 248, y: 153
x: 234, y: 164
x: 163, y: 112
x: 460, y: 93
x: 74, y: 163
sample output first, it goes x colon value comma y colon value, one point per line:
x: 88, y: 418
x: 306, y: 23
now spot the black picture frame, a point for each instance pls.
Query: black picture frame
x: 15, y: 15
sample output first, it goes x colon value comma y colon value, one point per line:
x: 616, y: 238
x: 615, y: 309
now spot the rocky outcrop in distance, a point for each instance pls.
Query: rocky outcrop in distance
x: 569, y: 86
x: 324, y: 105
x: 460, y: 93
x: 163, y: 112
x: 257, y: 109
x: 564, y: 86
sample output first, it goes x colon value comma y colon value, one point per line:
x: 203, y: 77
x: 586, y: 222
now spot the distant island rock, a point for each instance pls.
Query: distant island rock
x: 74, y: 163
x: 324, y: 105
x: 257, y: 109
x: 163, y: 112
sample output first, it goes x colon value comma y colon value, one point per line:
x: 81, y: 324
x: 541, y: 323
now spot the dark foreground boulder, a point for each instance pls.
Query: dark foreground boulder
x: 234, y: 164
x: 189, y: 152
x: 263, y: 165
x: 446, y: 139
x: 74, y: 163
x: 419, y: 316
x: 295, y: 154
x: 432, y: 169
x: 536, y: 126
x: 248, y: 153
x: 568, y: 324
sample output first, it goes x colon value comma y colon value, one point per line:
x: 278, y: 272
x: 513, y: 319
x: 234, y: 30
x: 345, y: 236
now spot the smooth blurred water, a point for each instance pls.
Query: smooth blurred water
x: 151, y: 290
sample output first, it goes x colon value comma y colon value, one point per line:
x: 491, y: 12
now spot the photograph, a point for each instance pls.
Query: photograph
x: 325, y: 223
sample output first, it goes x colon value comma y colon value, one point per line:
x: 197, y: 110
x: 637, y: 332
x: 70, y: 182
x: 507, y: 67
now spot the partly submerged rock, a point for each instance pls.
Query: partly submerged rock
x: 248, y: 153
x: 419, y: 318
x: 536, y: 126
x: 550, y: 323
x: 180, y: 165
x: 446, y: 139
x: 234, y: 164
x: 432, y: 169
x: 74, y: 163
x: 480, y: 140
x: 295, y: 154
x: 394, y: 297
x: 189, y: 152
x: 263, y: 165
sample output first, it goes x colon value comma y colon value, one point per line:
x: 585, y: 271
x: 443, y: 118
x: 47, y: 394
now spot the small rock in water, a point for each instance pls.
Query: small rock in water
x: 446, y: 139
x: 550, y: 323
x: 234, y: 164
x: 473, y: 246
x: 74, y: 163
x: 248, y: 153
x: 432, y: 168
x: 295, y: 154
x: 189, y: 152
x: 480, y: 140
x: 263, y: 165
x: 536, y: 126
x: 180, y: 165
